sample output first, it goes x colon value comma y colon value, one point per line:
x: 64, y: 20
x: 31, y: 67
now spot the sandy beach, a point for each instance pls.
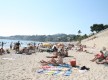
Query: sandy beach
x: 23, y: 67
x: 53, y: 40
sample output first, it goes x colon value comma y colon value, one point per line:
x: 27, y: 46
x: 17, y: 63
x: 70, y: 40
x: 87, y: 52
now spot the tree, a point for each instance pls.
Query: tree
x: 84, y: 36
x: 106, y: 26
x: 98, y: 27
x: 79, y: 32
x: 78, y: 36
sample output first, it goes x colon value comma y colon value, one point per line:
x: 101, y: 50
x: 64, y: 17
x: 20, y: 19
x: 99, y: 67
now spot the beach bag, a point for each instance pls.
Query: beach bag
x: 73, y: 62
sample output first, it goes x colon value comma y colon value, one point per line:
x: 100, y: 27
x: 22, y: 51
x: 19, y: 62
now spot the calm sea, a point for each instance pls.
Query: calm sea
x: 7, y: 42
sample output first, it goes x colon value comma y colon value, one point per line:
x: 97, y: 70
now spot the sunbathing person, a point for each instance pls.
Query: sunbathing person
x: 80, y: 48
x: 103, y: 61
x: 102, y: 55
x: 2, y: 51
x: 53, y: 61
x: 65, y: 53
x: 55, y: 54
x: 24, y: 50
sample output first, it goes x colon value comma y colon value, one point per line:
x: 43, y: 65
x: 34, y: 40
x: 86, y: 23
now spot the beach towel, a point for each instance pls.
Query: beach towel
x: 55, y: 70
x: 65, y: 65
x: 60, y: 73
x: 49, y: 72
x: 68, y: 72
x: 82, y: 71
x: 8, y: 58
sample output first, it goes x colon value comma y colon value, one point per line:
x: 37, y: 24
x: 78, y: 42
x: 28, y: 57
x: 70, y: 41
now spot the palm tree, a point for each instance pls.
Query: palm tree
x: 79, y: 37
x: 79, y: 32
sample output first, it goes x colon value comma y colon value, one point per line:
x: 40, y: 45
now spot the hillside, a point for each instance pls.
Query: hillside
x: 99, y: 40
x: 43, y: 38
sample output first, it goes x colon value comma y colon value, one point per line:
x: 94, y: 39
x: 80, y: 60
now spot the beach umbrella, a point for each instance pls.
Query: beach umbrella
x: 47, y: 44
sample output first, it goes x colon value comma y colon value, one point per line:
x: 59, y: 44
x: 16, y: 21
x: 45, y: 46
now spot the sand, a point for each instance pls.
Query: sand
x: 24, y: 67
x: 100, y: 40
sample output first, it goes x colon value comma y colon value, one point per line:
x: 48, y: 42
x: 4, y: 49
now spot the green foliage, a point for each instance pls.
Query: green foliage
x: 84, y: 36
x: 79, y: 32
x: 52, y: 38
x: 44, y: 38
x: 98, y: 27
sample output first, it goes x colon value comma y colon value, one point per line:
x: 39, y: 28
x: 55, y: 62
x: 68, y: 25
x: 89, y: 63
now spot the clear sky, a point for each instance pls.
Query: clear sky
x: 44, y: 17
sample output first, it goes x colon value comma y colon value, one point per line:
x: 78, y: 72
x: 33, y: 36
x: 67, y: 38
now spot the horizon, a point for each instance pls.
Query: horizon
x: 49, y: 17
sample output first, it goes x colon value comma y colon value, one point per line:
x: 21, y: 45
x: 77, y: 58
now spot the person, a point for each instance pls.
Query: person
x: 17, y: 46
x: 102, y: 55
x: 55, y: 54
x: 2, y: 51
x: 103, y: 61
x: 54, y: 48
x: 53, y: 61
x: 63, y: 51
x: 24, y: 50
x: 34, y: 44
x: 59, y: 59
x: 66, y: 52
x: 11, y: 45
x: 80, y: 48
x: 2, y: 44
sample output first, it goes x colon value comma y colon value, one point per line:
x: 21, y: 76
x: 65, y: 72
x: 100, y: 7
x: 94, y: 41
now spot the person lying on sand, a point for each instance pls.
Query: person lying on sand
x: 102, y: 55
x: 25, y: 50
x: 53, y: 61
x: 103, y: 61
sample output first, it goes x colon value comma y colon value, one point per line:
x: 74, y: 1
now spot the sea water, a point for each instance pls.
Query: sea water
x: 7, y: 42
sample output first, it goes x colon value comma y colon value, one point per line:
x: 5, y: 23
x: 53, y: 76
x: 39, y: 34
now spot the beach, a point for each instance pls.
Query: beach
x: 53, y: 40
x: 24, y: 67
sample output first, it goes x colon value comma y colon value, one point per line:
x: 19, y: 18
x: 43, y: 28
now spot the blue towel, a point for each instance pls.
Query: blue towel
x: 65, y: 65
x: 68, y: 72
x: 56, y: 72
x: 40, y: 71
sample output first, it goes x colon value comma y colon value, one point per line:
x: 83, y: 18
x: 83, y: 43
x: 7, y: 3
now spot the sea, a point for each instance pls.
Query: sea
x: 23, y: 43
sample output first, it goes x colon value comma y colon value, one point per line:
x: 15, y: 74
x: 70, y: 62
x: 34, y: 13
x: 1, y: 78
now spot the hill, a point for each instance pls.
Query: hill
x: 99, y: 40
x: 43, y: 38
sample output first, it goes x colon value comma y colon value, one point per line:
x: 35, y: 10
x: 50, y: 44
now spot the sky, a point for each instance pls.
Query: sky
x: 48, y: 17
